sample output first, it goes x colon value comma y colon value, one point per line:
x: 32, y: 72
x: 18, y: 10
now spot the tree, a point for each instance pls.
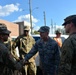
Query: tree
x: 36, y: 32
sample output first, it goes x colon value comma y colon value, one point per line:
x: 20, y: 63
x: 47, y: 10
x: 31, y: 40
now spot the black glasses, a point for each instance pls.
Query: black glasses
x: 26, y: 30
x: 6, y: 34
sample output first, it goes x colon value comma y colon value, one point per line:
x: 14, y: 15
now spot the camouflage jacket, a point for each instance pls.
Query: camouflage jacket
x: 8, y: 44
x: 49, y: 55
x: 7, y: 63
x: 24, y: 45
x: 68, y: 56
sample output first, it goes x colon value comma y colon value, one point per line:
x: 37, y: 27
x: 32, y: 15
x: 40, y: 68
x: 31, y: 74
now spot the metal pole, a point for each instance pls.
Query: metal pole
x: 30, y: 9
x: 44, y: 18
x: 52, y: 25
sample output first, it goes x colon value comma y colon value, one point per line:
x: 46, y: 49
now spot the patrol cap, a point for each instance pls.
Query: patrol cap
x: 58, y: 32
x: 3, y: 29
x: 26, y: 27
x: 71, y: 18
x: 44, y: 29
x: 6, y: 31
x: 3, y: 25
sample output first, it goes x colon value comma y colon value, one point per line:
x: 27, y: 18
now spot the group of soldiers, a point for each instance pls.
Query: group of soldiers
x: 51, y: 62
x: 8, y: 65
x: 9, y: 61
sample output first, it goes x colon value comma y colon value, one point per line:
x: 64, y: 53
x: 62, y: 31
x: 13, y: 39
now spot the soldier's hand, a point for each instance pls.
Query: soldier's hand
x: 18, y: 59
x: 22, y: 62
x: 18, y: 66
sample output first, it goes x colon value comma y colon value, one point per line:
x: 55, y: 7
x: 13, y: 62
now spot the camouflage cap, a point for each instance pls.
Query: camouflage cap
x: 44, y: 29
x: 6, y: 31
x: 3, y: 29
x: 58, y: 31
x: 71, y: 18
x: 26, y: 27
x: 3, y: 25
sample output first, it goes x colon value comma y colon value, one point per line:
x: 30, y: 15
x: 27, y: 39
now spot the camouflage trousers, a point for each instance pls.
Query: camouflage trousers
x: 8, y: 71
x: 17, y: 72
x: 29, y: 69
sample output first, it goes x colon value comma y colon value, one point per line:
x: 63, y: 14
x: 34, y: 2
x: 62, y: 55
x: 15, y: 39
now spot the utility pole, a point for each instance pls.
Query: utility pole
x: 44, y: 18
x: 30, y: 9
x: 55, y: 27
x: 52, y: 25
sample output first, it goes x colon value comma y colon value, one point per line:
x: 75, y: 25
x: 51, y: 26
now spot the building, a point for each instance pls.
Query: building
x: 21, y: 26
x: 14, y: 28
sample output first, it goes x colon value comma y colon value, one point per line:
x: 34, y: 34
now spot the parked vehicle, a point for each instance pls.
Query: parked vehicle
x: 36, y: 37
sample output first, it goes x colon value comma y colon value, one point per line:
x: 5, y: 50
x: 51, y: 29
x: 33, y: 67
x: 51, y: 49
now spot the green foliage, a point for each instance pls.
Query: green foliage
x: 36, y: 32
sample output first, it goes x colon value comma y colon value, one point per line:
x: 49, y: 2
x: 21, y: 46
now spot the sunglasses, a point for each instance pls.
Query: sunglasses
x: 26, y: 30
x: 6, y: 34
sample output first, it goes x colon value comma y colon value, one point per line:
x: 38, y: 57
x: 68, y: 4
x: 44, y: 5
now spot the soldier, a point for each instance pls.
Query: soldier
x: 8, y: 42
x: 7, y: 63
x: 68, y: 56
x: 24, y: 43
x: 48, y: 52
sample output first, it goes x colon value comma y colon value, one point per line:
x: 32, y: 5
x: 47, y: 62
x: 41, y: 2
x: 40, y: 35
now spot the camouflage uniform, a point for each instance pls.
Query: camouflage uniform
x: 49, y: 55
x: 68, y: 56
x: 24, y: 45
x: 8, y: 44
x: 7, y: 63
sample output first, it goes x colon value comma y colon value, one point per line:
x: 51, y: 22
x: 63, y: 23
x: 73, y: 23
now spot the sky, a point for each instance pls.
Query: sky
x: 55, y: 11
